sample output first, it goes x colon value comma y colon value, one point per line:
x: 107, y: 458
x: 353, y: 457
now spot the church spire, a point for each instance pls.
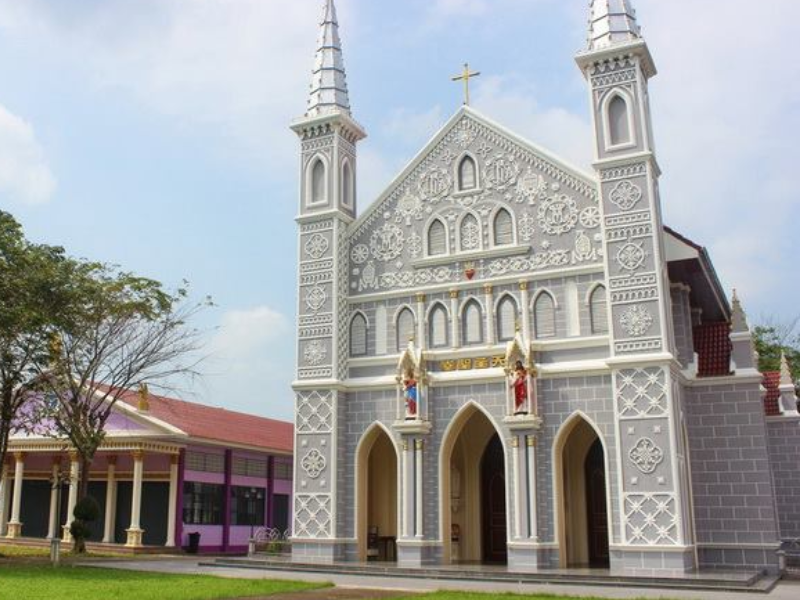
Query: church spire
x: 611, y: 22
x: 328, y: 82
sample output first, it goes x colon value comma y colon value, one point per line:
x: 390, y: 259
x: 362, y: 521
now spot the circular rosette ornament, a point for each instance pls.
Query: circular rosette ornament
x: 408, y: 208
x: 435, y: 184
x: 626, y: 195
x: 501, y: 172
x: 359, y: 254
x: 387, y: 242
x: 558, y: 214
x: 636, y: 321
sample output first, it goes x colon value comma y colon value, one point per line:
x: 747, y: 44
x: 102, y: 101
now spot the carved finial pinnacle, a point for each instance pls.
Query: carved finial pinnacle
x: 786, y: 371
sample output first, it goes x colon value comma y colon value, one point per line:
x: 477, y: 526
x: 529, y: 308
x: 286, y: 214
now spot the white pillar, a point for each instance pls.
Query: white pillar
x: 533, y: 525
x: 525, y: 309
x: 517, y: 488
x: 489, y: 314
x: 74, y: 480
x: 418, y: 491
x: 173, y: 500
x: 55, y: 482
x: 135, y: 531
x: 406, y: 513
x: 111, y: 501
x: 421, y: 337
x: 4, y: 498
x: 14, y: 526
x: 455, y: 323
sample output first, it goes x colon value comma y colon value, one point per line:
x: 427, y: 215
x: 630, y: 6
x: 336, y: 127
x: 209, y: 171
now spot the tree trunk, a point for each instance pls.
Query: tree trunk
x: 83, y: 480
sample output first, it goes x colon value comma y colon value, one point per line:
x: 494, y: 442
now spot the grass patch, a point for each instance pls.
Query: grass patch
x: 12, y: 552
x: 86, y: 583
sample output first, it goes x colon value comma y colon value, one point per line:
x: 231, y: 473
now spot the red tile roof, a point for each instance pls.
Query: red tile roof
x: 772, y: 382
x: 713, y: 346
x: 218, y: 424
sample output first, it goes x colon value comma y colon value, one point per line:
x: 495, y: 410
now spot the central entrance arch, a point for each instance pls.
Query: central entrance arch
x: 472, y: 477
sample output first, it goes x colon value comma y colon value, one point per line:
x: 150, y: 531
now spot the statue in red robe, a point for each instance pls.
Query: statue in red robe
x: 520, y: 386
x: 410, y: 394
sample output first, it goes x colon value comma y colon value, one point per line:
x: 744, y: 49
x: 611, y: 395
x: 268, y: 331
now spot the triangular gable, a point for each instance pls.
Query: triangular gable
x: 553, y: 208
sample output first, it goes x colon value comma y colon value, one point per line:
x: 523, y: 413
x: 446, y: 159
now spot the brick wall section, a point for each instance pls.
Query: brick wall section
x: 784, y: 451
x: 732, y: 483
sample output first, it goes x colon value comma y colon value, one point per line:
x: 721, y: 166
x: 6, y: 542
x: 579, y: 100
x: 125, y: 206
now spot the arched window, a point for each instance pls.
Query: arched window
x: 347, y: 185
x: 467, y: 174
x: 405, y: 328
x: 437, y: 327
x: 598, y: 311
x: 503, y: 228
x: 470, y: 233
x: 506, y: 319
x: 619, y: 128
x: 318, y: 195
x: 437, y: 238
x: 358, y: 335
x: 472, y: 324
x: 544, y: 316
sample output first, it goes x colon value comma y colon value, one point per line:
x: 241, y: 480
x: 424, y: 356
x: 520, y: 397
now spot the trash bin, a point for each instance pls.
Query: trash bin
x: 194, y: 543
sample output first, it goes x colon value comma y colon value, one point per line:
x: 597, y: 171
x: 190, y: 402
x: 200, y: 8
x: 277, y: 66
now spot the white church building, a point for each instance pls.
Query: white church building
x: 506, y: 359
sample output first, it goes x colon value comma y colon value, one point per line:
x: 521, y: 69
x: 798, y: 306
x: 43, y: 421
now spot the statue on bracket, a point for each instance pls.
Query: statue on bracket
x: 410, y: 395
x: 519, y: 384
x: 521, y: 374
x: 411, y: 384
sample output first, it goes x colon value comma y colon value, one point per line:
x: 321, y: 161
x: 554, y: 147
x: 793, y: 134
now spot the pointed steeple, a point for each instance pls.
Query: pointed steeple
x: 738, y: 316
x: 328, y: 81
x: 786, y: 372
x: 611, y: 22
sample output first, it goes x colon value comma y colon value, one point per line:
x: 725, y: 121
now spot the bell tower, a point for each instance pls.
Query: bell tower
x: 651, y: 487
x: 328, y: 138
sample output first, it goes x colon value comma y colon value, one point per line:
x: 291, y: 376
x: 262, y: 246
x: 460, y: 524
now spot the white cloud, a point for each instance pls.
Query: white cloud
x: 251, y: 363
x: 25, y: 176
x: 411, y: 128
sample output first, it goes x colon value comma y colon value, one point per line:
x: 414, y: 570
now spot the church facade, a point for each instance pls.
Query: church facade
x: 508, y: 360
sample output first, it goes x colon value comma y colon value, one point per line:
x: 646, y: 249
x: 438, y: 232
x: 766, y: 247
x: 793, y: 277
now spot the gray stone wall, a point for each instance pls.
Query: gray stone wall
x: 731, y: 479
x: 784, y: 453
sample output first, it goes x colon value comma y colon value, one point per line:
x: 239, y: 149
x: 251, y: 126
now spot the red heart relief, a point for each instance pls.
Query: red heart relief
x: 470, y: 273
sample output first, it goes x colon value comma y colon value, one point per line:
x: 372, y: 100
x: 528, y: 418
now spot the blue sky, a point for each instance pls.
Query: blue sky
x: 154, y: 134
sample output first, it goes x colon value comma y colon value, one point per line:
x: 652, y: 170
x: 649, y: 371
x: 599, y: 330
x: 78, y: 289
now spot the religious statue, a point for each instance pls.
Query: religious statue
x: 410, y: 394
x: 519, y: 384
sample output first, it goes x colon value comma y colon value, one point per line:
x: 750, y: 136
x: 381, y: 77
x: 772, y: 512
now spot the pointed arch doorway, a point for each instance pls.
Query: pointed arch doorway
x: 473, y: 490
x: 377, y: 511
x: 582, y: 493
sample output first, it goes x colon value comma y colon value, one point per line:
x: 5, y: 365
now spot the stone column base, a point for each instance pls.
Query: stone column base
x: 134, y: 538
x: 630, y: 559
x: 318, y: 552
x: 66, y: 536
x: 14, y: 530
x: 526, y: 557
x: 417, y: 554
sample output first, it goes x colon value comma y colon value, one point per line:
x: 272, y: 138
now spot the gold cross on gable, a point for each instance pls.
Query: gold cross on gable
x: 465, y: 77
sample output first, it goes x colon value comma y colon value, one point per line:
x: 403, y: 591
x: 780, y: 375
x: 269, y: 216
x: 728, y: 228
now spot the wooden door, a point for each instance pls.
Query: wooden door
x: 493, y: 503
x: 597, y: 517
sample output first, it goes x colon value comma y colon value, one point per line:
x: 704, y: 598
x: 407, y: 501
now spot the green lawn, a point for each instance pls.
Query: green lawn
x: 85, y: 583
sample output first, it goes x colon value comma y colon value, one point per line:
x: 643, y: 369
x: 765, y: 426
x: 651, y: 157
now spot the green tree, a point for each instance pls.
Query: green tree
x: 773, y: 338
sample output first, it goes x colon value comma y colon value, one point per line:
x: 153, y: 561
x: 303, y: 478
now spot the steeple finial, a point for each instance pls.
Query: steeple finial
x: 328, y: 81
x: 611, y: 22
x: 738, y: 316
x: 786, y: 372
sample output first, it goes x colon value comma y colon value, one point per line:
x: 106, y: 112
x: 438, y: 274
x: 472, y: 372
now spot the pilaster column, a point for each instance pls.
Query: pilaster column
x: 111, y: 501
x: 173, y: 500
x: 455, y: 322
x: 74, y: 476
x: 533, y: 527
x: 406, y: 493
x: 418, y: 530
x: 14, y: 526
x: 55, y: 483
x: 4, y: 498
x: 489, y: 296
x: 135, y: 531
x: 516, y: 487
x: 525, y: 309
x: 421, y: 337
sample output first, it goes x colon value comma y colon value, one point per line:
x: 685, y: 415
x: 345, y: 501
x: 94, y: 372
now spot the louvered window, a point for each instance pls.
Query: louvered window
x: 503, y: 228
x: 437, y: 239
x: 437, y: 324
x: 467, y: 174
x: 618, y: 124
x: 405, y: 328
x: 358, y: 335
x: 506, y: 319
x: 599, y: 310
x: 472, y: 324
x: 318, y: 182
x: 544, y: 314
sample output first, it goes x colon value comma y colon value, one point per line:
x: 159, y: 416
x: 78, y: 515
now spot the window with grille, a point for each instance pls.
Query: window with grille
x: 503, y: 228
x: 249, y: 467
x: 506, y: 319
x: 358, y: 335
x: 544, y: 315
x: 472, y: 325
x: 205, y: 462
x: 282, y: 470
x: 248, y: 506
x: 405, y: 328
x: 202, y: 503
x: 437, y: 238
x: 599, y: 311
x: 438, y: 327
x: 467, y: 174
